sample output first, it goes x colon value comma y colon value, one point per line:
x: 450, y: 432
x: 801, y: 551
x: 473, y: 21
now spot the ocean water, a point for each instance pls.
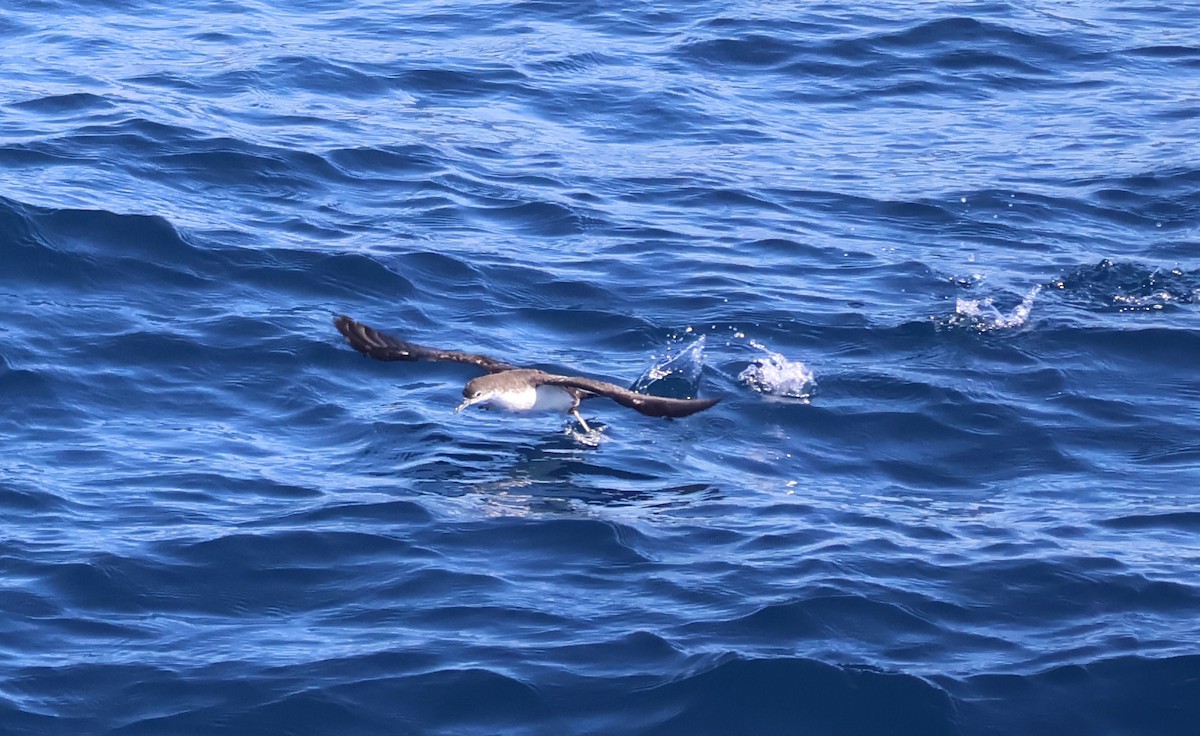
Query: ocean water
x: 940, y: 261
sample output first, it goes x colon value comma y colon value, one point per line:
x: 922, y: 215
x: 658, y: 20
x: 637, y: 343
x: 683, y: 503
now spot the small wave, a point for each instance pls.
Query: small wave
x: 775, y: 375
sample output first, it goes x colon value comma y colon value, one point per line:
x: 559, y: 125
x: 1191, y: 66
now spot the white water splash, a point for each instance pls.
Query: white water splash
x: 775, y: 375
x: 591, y: 438
x: 984, y: 315
x: 682, y: 367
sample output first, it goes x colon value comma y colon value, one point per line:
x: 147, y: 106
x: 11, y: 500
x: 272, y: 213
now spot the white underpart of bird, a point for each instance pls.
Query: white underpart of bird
x: 537, y: 399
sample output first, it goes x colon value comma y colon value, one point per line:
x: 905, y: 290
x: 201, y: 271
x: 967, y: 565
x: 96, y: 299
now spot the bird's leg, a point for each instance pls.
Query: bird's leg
x: 586, y: 428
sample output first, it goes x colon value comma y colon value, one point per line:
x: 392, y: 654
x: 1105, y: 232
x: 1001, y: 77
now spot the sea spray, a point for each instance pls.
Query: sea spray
x: 775, y: 375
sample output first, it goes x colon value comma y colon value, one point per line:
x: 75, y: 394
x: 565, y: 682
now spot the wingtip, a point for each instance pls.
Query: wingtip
x: 699, y: 405
x: 678, y: 408
x: 353, y: 331
x: 373, y: 343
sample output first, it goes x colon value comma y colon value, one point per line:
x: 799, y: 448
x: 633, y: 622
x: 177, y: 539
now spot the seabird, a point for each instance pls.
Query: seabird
x: 513, y: 388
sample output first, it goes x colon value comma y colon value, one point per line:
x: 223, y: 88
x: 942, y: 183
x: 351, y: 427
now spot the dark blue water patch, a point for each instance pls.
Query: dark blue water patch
x: 1071, y: 588
x: 791, y: 622
x: 895, y: 63
x: 996, y: 216
x: 1167, y: 52
x: 782, y: 695
x: 409, y: 161
x: 319, y: 76
x: 24, y: 498
x: 344, y: 278
x: 167, y: 81
x: 15, y: 226
x: 575, y: 63
x: 766, y: 695
x: 235, y: 166
x: 1183, y: 521
x: 617, y: 546
x: 469, y: 700
x: 542, y: 219
x: 1108, y: 696
x: 749, y: 50
x: 1166, y: 198
x: 397, y: 511
x: 928, y: 451
x: 65, y: 105
x: 1178, y: 113
x: 926, y: 215
x: 454, y: 84
x: 194, y: 489
x: 109, y: 587
x: 103, y: 233
x: 1137, y: 351
x: 101, y: 251
x: 960, y: 32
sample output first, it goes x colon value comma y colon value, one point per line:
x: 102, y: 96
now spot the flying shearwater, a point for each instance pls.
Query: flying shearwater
x: 513, y: 388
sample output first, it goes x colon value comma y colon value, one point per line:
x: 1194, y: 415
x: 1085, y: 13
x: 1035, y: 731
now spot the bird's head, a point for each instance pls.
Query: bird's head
x: 475, y: 392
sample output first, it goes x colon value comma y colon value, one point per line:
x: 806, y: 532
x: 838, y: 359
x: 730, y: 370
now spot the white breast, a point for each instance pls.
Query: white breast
x: 541, y: 398
x: 553, y: 398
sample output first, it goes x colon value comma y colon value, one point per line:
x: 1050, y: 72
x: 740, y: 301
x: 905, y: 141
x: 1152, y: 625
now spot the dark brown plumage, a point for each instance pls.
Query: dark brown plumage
x: 514, y: 388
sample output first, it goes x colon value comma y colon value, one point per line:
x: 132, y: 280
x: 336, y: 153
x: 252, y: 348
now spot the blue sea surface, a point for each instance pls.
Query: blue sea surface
x: 940, y: 261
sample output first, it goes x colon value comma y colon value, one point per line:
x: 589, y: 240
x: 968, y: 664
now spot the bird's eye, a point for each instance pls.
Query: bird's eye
x: 476, y: 395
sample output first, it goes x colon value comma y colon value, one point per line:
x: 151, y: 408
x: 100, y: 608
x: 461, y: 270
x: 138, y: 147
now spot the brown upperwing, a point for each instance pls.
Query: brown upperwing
x: 655, y: 406
x: 382, y: 346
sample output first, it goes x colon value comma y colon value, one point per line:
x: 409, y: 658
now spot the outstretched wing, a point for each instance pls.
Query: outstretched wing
x: 655, y: 406
x: 382, y: 346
